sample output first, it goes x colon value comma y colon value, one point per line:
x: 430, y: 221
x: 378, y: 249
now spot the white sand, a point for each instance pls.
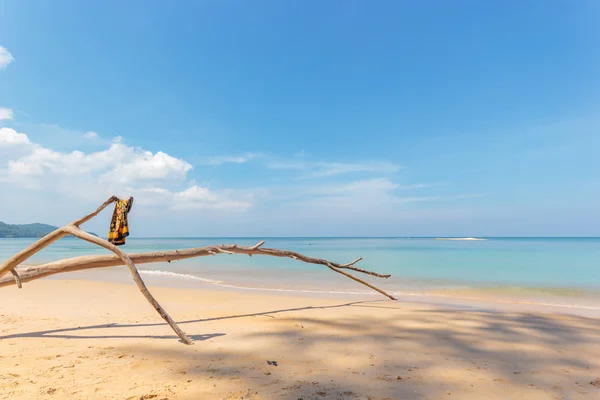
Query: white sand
x: 92, y: 340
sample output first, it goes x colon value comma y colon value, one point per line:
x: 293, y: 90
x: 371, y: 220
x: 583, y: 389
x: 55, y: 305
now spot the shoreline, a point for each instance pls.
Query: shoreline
x: 543, y: 300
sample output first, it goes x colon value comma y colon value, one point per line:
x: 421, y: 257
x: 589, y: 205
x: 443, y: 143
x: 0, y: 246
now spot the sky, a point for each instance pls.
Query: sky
x: 303, y: 118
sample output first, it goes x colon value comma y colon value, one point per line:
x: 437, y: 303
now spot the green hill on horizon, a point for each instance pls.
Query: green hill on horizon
x: 35, y: 230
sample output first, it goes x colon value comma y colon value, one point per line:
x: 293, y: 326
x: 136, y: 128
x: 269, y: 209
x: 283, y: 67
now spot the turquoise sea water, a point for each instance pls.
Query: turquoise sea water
x: 553, y: 265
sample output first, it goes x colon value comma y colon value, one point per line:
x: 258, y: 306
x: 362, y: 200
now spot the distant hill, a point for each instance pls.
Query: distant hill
x: 26, y: 231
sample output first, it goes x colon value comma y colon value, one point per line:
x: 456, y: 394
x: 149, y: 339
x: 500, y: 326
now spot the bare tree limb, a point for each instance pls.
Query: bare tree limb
x: 351, y: 263
x: 76, y: 231
x: 47, y: 240
x: 100, y: 261
x: 29, y: 273
x: 73, y: 229
x: 333, y: 268
x: 108, y: 202
x: 23, y: 255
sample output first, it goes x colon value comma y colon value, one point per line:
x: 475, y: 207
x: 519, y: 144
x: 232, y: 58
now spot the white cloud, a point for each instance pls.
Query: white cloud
x: 91, y: 135
x: 160, y: 182
x: 330, y: 169
x: 5, y: 113
x: 421, y: 185
x: 219, y: 160
x: 119, y: 163
x: 44, y: 160
x: 378, y: 196
x: 5, y: 57
x: 196, y: 197
x: 148, y: 166
x: 160, y: 178
x: 362, y: 186
x: 10, y: 137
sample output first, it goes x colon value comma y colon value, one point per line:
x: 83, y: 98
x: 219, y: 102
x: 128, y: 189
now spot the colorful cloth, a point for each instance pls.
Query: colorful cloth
x: 119, y: 228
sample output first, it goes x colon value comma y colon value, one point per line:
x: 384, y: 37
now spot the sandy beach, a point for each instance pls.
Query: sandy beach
x: 77, y: 339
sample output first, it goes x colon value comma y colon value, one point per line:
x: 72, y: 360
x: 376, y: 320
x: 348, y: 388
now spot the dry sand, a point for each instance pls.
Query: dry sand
x: 92, y: 340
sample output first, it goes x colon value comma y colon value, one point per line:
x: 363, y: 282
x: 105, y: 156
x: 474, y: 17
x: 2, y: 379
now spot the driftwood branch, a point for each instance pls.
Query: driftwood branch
x: 73, y: 229
x: 76, y: 231
x: 47, y: 240
x: 29, y: 273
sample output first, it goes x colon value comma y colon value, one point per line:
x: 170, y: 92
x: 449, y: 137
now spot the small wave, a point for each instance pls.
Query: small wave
x: 178, y: 275
x: 362, y: 293
x: 294, y: 290
x: 222, y: 284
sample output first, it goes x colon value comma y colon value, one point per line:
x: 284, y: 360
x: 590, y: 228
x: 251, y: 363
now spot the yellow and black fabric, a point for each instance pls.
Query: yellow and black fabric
x: 119, y: 228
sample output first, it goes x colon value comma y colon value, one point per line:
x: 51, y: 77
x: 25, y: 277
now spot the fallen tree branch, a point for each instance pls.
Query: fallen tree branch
x: 333, y: 268
x: 29, y: 273
x: 73, y: 229
x: 76, y: 231
x: 47, y: 240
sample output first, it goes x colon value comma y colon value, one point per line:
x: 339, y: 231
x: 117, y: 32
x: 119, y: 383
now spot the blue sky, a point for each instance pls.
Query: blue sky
x: 271, y: 118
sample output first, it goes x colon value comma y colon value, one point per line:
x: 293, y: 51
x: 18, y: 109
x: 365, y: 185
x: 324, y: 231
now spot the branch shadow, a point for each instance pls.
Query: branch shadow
x: 378, y: 350
x: 389, y: 353
x: 55, y: 333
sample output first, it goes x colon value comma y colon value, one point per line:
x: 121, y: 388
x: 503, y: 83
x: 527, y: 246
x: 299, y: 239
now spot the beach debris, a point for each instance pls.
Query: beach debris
x: 595, y: 383
x: 12, y: 274
x: 274, y: 363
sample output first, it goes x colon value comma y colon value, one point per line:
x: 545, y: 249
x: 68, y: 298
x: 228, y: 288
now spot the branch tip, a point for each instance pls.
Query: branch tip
x: 351, y: 263
x: 257, y: 245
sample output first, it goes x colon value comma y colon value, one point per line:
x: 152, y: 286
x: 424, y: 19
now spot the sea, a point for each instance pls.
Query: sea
x: 561, y: 272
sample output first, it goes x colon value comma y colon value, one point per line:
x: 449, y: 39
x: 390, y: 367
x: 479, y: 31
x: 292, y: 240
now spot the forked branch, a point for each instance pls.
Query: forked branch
x: 47, y: 240
x: 76, y: 231
x: 29, y: 273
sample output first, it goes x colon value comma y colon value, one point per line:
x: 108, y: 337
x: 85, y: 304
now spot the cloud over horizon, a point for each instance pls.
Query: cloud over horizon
x: 118, y: 169
x: 161, y: 182
x: 45, y: 182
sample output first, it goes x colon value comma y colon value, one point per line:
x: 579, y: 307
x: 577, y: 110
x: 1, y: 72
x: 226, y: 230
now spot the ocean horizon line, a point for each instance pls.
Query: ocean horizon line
x: 360, y: 237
